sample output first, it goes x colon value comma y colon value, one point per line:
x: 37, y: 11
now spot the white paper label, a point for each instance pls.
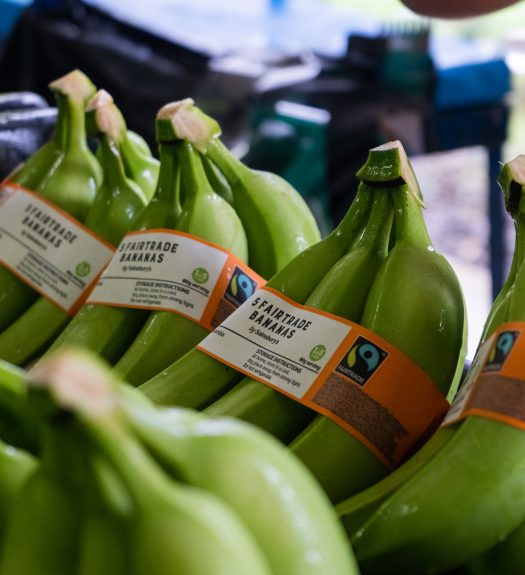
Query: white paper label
x: 278, y: 341
x: 47, y: 248
x: 163, y: 270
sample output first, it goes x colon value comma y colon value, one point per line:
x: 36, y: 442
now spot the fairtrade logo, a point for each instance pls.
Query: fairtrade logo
x: 82, y: 269
x: 240, y: 288
x: 317, y: 352
x: 362, y: 361
x: 200, y: 275
x: 501, y: 350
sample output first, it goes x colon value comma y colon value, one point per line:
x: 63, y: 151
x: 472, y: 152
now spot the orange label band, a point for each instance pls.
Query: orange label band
x: 48, y: 249
x: 335, y: 367
x: 168, y: 270
x: 495, y: 384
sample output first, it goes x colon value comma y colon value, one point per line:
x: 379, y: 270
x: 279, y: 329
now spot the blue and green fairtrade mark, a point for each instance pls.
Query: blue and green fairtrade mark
x: 83, y: 269
x: 366, y: 352
x: 200, y: 275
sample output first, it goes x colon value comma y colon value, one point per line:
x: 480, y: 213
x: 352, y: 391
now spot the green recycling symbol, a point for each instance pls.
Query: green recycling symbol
x: 83, y: 269
x: 317, y: 352
x: 200, y: 275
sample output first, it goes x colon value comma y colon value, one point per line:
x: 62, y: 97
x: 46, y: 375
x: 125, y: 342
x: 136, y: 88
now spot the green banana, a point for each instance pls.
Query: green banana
x: 166, y: 336
x: 44, y: 173
x: 416, y: 304
x: 355, y: 510
x: 196, y: 380
x: 217, y: 180
x: 16, y: 466
x: 51, y: 493
x: 506, y: 557
x: 176, y: 528
x: 117, y: 205
x: 139, y: 144
x: 282, y: 506
x: 469, y: 496
x: 142, y: 168
x: 278, y: 223
x: 16, y: 428
x: 108, y: 330
x: 104, y: 547
x: 342, y: 292
x: 139, y: 164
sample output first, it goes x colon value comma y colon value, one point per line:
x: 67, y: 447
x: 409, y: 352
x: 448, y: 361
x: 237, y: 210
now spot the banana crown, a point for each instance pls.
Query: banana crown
x: 103, y: 117
x: 76, y: 85
x: 182, y: 120
x: 512, y: 181
x: 389, y: 163
x: 77, y: 382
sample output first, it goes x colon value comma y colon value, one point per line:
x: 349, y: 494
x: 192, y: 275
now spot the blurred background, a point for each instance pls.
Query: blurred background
x: 304, y: 88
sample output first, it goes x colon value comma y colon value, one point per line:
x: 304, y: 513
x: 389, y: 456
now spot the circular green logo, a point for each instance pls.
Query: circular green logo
x: 317, y: 352
x: 200, y: 275
x: 82, y: 269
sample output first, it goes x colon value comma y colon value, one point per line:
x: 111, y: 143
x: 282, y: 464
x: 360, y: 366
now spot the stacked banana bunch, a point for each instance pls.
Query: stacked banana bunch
x: 459, y: 503
x: 254, y: 215
x: 151, y: 485
x: 102, y: 481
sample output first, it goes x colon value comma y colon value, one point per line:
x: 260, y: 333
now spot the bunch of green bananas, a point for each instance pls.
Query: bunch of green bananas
x: 458, y: 503
x: 394, y: 284
x: 266, y: 224
x: 119, y: 485
x: 112, y: 211
x: 63, y: 171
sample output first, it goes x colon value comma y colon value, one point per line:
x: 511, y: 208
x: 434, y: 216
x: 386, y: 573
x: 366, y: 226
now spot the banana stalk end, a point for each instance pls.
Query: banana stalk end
x: 75, y: 85
x: 182, y: 120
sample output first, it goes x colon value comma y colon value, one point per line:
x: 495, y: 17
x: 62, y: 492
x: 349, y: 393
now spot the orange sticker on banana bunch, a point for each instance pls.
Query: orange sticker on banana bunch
x: 48, y: 249
x: 174, y: 271
x: 495, y: 383
x: 334, y: 366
